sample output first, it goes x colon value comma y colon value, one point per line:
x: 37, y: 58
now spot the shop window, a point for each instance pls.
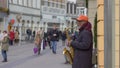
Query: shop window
x: 48, y: 3
x: 71, y: 8
x: 75, y: 8
x: 57, y: 5
x: 52, y: 4
x: 68, y: 7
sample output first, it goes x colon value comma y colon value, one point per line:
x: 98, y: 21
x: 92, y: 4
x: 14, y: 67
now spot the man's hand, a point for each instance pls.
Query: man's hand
x: 54, y: 35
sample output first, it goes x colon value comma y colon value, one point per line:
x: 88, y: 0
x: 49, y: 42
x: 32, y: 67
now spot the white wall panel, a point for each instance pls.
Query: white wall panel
x: 29, y: 3
x: 15, y: 1
x: 25, y: 2
x: 21, y: 9
x: 20, y: 2
x: 34, y: 3
x: 38, y: 3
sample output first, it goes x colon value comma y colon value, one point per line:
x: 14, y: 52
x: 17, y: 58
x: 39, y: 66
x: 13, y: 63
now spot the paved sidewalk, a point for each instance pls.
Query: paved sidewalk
x: 22, y: 57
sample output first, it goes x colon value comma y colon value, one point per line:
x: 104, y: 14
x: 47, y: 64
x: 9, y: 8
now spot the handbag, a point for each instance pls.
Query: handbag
x: 35, y: 49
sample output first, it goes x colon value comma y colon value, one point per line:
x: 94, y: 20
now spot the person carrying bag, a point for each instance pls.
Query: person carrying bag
x: 37, y: 43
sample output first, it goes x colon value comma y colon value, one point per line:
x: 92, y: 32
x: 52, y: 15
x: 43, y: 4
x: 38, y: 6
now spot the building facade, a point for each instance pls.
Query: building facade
x: 3, y: 13
x: 81, y: 3
x: 53, y: 12
x: 108, y: 33
x: 92, y: 10
x: 26, y: 14
x: 72, y: 12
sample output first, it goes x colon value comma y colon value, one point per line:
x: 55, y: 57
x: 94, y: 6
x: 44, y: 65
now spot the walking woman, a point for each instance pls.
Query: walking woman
x: 16, y: 36
x: 38, y: 42
x: 5, y: 45
x: 11, y: 37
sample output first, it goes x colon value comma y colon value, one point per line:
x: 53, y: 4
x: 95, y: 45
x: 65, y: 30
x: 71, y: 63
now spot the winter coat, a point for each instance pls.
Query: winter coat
x: 63, y: 36
x: 16, y: 35
x: 54, y: 35
x: 38, y: 41
x: 83, y: 48
x: 29, y: 32
x: 5, y: 43
x: 34, y: 33
x: 11, y: 35
x: 41, y: 34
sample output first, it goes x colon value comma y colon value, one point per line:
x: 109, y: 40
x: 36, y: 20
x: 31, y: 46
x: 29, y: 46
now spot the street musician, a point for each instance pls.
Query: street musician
x: 83, y: 44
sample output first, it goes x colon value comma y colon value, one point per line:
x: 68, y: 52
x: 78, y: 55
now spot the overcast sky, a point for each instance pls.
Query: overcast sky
x: 72, y: 0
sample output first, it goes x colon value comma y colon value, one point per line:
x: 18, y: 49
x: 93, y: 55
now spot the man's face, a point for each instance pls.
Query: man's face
x: 80, y: 23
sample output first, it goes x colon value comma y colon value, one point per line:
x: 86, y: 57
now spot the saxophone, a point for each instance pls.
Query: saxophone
x: 68, y: 53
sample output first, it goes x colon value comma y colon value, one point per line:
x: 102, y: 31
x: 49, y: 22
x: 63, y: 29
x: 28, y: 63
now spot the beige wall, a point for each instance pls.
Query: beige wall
x: 100, y: 29
x: 117, y: 34
x: 100, y: 11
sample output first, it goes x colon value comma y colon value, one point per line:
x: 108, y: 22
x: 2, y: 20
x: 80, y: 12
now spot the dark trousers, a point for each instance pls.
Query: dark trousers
x: 11, y: 42
x: 49, y: 44
x: 28, y: 38
x: 4, y: 54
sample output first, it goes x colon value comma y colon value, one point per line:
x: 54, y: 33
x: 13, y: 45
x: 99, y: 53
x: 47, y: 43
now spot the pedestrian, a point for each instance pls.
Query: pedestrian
x: 45, y: 40
x: 63, y: 37
x: 34, y: 33
x: 48, y: 38
x: 16, y: 36
x: 83, y: 44
x: 29, y: 32
x: 38, y: 42
x: 5, y: 46
x: 54, y: 38
x: 11, y: 37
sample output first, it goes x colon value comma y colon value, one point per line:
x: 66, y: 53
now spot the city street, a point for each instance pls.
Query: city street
x: 22, y: 57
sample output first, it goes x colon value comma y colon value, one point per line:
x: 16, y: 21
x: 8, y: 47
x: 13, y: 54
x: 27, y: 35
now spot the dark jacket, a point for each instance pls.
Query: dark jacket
x: 63, y: 36
x: 29, y: 32
x: 52, y: 37
x: 83, y: 48
x: 34, y: 33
